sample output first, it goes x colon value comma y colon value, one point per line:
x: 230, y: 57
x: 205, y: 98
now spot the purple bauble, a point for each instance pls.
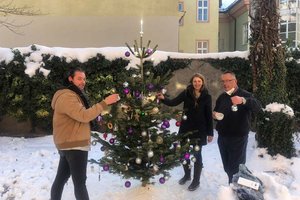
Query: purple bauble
x: 137, y: 94
x: 163, y: 126
x: 162, y: 180
x: 150, y: 86
x: 127, y: 184
x: 162, y: 159
x: 105, y: 167
x: 166, y: 123
x: 186, y: 156
x: 149, y: 51
x: 112, y: 140
x: 99, y: 118
x: 126, y: 90
x: 127, y: 53
x: 130, y: 131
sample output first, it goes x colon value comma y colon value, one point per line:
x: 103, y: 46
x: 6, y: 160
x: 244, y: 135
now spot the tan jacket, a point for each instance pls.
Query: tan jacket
x: 71, y: 127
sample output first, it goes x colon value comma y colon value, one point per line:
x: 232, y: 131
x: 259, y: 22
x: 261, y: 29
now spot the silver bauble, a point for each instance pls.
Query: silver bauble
x: 150, y: 154
x: 138, y: 160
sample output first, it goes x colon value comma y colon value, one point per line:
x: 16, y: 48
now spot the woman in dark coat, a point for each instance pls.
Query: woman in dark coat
x: 197, y: 118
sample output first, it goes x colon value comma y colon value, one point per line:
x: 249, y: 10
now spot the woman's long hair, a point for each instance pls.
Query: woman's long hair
x: 191, y: 88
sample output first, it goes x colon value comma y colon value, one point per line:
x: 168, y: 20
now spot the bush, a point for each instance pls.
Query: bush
x: 275, y: 130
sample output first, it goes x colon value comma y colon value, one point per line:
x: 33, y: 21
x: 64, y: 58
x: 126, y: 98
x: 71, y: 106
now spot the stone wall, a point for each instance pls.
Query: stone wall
x: 182, y: 77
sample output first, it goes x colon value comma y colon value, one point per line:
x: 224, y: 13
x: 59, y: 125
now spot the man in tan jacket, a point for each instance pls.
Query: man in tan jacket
x: 72, y: 133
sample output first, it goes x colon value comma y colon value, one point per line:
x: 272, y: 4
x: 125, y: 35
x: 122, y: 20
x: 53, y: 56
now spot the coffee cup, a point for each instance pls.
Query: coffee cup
x: 219, y: 116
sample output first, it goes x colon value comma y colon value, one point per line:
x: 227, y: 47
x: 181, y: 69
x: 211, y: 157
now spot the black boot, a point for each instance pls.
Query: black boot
x: 196, y: 181
x: 187, y: 174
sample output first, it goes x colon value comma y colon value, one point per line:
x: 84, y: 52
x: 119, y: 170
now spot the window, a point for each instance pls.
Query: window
x: 245, y: 34
x: 202, y: 47
x: 180, y: 6
x: 202, y: 11
x: 182, y: 13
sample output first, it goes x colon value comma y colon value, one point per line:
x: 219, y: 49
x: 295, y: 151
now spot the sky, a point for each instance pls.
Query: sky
x: 28, y: 165
x: 226, y: 3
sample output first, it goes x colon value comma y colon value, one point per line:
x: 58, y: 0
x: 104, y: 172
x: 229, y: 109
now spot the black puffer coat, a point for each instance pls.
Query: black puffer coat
x: 198, y: 112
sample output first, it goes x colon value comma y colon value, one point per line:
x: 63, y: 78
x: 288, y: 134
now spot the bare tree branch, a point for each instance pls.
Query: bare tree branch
x: 8, y: 9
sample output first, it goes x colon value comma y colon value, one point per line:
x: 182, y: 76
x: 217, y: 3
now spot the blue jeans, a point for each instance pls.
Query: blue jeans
x: 233, y: 153
x: 72, y: 163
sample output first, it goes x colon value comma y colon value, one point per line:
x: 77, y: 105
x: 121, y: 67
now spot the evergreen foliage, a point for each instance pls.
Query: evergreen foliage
x: 283, y: 132
x: 136, y: 139
x: 267, y: 57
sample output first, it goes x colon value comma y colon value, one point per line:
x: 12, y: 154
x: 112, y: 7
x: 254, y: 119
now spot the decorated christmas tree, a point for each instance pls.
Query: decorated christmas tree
x: 134, y: 134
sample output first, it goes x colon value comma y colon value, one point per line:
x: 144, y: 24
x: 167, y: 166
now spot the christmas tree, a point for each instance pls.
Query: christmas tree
x: 134, y: 134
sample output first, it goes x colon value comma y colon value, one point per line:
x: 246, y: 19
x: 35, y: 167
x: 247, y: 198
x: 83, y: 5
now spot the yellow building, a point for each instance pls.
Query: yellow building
x: 199, y: 26
x: 95, y: 23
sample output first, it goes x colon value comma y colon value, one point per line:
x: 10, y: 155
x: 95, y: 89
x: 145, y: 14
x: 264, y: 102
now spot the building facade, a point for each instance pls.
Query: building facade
x: 234, y: 24
x: 198, y: 26
x: 94, y: 23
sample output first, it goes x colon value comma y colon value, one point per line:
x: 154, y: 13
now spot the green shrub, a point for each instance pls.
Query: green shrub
x: 275, y: 131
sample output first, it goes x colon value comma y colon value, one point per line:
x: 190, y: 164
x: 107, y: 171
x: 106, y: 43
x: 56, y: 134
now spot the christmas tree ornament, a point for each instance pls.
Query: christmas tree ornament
x: 150, y: 154
x: 99, y: 118
x: 112, y: 140
x: 166, y: 123
x: 144, y: 133
x: 112, y: 90
x: 155, y: 110
x: 150, y: 86
x: 127, y: 184
x: 197, y: 148
x: 193, y: 159
x: 162, y: 180
x: 116, y: 128
x: 126, y: 90
x: 127, y: 53
x: 161, y: 159
x: 110, y: 125
x: 137, y: 94
x: 178, y: 146
x: 105, y: 167
x: 159, y: 140
x: 188, y: 140
x: 186, y: 156
x: 125, y: 84
x: 164, y: 91
x: 178, y: 123
x: 94, y: 142
x: 234, y: 108
x: 143, y: 113
x: 149, y: 51
x: 104, y: 136
x: 163, y: 126
x: 155, y: 168
x: 138, y: 160
x: 184, y: 117
x: 134, y: 75
x: 125, y: 168
x: 184, y: 162
x: 102, y: 148
x: 148, y: 73
x: 130, y: 131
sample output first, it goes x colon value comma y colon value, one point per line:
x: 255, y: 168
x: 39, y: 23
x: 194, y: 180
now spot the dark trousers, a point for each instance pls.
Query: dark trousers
x: 72, y: 163
x: 233, y: 153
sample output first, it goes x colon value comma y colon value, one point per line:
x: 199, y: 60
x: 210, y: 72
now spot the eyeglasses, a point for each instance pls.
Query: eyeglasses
x: 227, y: 81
